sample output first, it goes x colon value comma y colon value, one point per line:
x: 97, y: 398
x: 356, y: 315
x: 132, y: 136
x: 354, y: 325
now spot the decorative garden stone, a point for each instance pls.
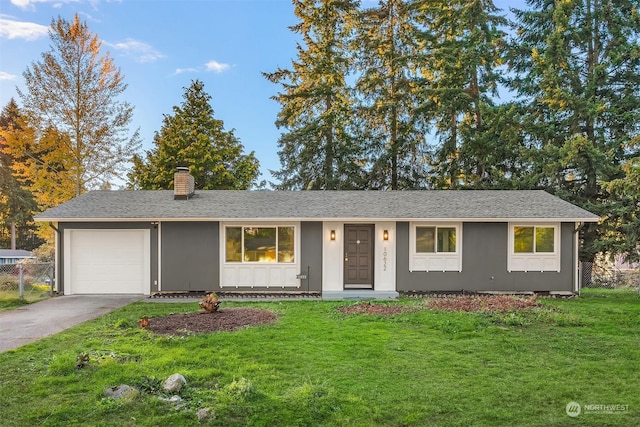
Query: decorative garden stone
x: 121, y: 391
x: 205, y: 414
x: 174, y: 383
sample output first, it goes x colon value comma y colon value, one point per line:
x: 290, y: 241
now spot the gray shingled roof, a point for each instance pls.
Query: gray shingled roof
x: 15, y: 253
x: 472, y: 205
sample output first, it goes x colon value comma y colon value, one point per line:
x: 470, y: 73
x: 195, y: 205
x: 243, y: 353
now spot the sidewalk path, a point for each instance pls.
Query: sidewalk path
x: 31, y: 322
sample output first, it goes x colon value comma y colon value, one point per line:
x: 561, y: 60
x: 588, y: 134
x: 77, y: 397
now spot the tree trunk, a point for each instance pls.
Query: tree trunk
x: 453, y: 165
x: 13, y: 236
x: 330, y: 183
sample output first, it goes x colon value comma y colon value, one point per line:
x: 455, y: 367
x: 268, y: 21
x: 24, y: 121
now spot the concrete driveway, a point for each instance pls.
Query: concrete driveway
x: 31, y: 322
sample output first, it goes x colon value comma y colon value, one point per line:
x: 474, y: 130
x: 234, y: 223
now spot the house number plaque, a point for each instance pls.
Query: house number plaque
x: 384, y: 259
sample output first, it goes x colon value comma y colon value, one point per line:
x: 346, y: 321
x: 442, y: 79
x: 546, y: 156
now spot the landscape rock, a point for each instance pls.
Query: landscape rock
x: 205, y: 414
x: 174, y: 383
x: 173, y: 399
x: 122, y: 391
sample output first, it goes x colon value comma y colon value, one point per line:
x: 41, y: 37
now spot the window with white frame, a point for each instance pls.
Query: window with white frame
x: 534, y: 247
x: 260, y: 244
x: 435, y: 247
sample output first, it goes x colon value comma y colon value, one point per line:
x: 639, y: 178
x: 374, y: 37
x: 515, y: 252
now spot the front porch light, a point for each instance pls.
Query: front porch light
x: 333, y: 234
x: 385, y: 234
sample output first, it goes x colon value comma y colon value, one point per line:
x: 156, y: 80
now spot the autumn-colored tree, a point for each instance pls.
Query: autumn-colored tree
x: 42, y: 164
x: 16, y: 203
x: 39, y: 167
x: 193, y: 137
x: 72, y: 103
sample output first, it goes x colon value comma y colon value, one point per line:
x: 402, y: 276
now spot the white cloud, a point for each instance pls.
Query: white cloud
x: 141, y: 51
x: 12, y: 29
x: 186, y: 70
x: 7, y: 76
x: 212, y: 66
x: 31, y: 4
x: 216, y: 66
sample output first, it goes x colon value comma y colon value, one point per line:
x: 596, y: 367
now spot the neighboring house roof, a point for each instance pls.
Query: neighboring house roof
x: 15, y: 253
x: 437, y: 205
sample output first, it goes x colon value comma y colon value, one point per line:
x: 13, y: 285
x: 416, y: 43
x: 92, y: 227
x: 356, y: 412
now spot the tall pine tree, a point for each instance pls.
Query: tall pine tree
x: 193, y: 137
x: 625, y: 211
x: 389, y: 58
x: 577, y: 69
x: 464, y: 46
x: 317, y: 149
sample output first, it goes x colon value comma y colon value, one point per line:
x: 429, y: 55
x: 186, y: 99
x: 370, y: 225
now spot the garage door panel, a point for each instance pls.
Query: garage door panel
x: 107, y: 262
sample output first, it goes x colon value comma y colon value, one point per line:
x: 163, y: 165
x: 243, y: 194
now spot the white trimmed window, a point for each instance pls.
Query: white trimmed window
x: 435, y: 247
x: 534, y: 247
x: 260, y: 244
x: 259, y: 255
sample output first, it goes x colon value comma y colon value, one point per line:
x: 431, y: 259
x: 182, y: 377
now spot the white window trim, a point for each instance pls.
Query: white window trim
x: 534, y: 261
x: 435, y: 261
x: 259, y: 274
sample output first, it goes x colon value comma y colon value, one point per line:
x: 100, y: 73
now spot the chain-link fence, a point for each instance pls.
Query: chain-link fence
x: 26, y: 280
x: 606, y: 275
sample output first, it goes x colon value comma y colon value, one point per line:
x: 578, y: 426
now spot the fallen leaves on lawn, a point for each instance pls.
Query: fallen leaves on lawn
x: 483, y: 303
x: 366, y: 307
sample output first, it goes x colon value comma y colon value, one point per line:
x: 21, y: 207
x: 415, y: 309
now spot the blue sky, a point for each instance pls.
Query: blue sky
x: 162, y: 45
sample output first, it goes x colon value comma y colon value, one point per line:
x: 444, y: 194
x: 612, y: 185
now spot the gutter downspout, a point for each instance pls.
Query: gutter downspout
x: 576, y: 248
x: 56, y: 257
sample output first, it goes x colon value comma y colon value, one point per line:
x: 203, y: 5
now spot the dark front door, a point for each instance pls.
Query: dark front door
x: 358, y: 256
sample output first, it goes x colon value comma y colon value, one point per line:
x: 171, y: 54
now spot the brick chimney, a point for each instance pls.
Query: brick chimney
x: 183, y: 184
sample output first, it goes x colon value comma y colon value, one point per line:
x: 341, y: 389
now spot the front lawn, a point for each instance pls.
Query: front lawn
x: 318, y: 366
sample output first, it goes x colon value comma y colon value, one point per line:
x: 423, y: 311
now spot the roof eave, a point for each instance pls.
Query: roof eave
x: 327, y: 219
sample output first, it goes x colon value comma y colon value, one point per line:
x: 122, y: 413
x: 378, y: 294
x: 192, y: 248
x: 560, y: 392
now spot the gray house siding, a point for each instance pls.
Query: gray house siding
x: 484, y: 264
x: 311, y: 256
x: 190, y: 259
x: 110, y: 226
x: 310, y: 263
x: 190, y: 256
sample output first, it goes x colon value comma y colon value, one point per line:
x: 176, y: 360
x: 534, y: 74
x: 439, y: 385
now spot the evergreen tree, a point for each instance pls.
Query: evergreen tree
x: 389, y: 58
x: 464, y: 47
x: 577, y: 70
x: 624, y: 214
x: 16, y: 204
x: 73, y: 91
x: 193, y: 137
x: 318, y: 150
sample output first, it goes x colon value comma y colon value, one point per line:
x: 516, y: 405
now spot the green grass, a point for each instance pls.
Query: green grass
x: 10, y: 299
x: 316, y: 366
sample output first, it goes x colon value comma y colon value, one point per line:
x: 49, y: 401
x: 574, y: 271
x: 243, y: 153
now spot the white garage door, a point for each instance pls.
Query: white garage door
x: 106, y: 262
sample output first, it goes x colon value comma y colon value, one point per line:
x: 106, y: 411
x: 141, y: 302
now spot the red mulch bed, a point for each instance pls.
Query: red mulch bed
x: 496, y: 303
x: 365, y: 307
x: 228, y: 319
